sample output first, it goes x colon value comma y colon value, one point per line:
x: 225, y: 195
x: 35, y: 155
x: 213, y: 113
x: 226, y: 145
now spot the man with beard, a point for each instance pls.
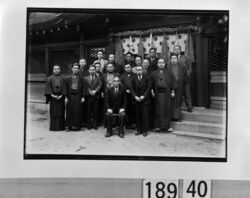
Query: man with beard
x: 163, y: 85
x: 93, y: 94
x: 152, y: 60
x: 140, y: 90
x: 181, y: 77
x: 126, y: 80
x: 55, y: 93
x: 75, y: 97
x: 116, y: 102
x: 185, y: 61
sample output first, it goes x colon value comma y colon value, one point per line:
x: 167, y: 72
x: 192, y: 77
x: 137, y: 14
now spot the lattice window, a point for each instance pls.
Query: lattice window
x: 219, y: 55
x: 65, y: 59
x: 93, y: 51
x: 36, y: 63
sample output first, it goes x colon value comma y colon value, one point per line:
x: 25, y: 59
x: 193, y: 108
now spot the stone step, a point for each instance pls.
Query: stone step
x: 200, y: 127
x: 200, y: 135
x: 205, y: 115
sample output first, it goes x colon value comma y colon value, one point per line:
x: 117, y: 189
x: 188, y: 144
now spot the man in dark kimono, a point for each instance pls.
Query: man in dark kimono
x: 163, y: 85
x: 126, y: 80
x: 55, y: 93
x: 153, y: 60
x: 116, y: 102
x: 84, y: 68
x: 181, y: 77
x: 141, y: 86
x: 75, y: 97
x: 101, y: 113
x: 93, y: 84
x: 147, y: 72
x: 185, y: 61
x: 117, y: 68
x: 84, y: 71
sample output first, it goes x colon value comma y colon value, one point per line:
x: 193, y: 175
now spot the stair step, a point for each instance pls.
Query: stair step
x: 200, y: 127
x: 200, y: 135
x: 207, y: 116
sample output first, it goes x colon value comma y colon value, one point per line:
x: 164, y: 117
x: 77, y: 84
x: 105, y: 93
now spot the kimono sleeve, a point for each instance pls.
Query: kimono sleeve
x: 185, y: 76
x: 188, y: 64
x: 63, y: 86
x: 84, y: 87
x: 173, y: 82
x: 48, y: 90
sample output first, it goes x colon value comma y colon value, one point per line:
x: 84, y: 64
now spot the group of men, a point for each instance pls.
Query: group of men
x: 147, y: 93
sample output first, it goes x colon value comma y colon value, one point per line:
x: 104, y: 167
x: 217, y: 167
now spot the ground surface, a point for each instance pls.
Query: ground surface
x: 39, y: 140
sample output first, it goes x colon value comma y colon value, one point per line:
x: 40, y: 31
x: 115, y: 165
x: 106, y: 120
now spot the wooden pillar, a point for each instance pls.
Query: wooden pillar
x: 201, y: 72
x: 205, y: 72
x: 83, y: 49
x: 110, y: 48
x: 198, y: 74
x: 47, y: 61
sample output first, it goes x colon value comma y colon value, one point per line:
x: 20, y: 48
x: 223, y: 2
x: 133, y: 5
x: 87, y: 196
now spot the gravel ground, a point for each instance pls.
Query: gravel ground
x: 39, y: 140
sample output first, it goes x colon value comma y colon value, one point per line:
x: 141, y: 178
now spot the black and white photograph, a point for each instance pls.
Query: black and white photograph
x: 126, y: 84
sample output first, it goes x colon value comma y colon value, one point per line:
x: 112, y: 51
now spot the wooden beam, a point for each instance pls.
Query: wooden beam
x: 73, y: 44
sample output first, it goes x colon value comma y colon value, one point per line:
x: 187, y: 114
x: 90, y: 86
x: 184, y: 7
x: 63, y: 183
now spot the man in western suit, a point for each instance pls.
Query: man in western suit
x: 140, y: 90
x: 116, y: 102
x: 92, y: 91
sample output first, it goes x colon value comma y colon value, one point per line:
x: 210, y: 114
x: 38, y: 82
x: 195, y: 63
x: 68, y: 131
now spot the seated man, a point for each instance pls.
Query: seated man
x: 116, y: 101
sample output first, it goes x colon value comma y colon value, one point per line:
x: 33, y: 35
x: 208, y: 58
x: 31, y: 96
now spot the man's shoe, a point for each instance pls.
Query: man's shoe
x: 170, y: 130
x: 121, y: 135
x: 108, y: 134
x: 189, y: 109
x: 157, y: 129
x: 145, y: 134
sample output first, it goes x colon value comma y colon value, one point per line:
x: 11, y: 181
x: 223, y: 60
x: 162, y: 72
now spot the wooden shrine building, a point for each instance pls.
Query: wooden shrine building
x: 56, y: 36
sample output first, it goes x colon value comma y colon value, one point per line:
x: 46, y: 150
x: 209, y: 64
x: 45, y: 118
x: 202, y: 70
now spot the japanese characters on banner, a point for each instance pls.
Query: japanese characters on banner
x: 130, y: 44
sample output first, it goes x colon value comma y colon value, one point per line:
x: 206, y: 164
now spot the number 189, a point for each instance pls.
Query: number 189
x: 160, y: 189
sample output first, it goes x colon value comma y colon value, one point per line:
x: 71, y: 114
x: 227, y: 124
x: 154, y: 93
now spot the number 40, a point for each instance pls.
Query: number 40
x: 196, y: 189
